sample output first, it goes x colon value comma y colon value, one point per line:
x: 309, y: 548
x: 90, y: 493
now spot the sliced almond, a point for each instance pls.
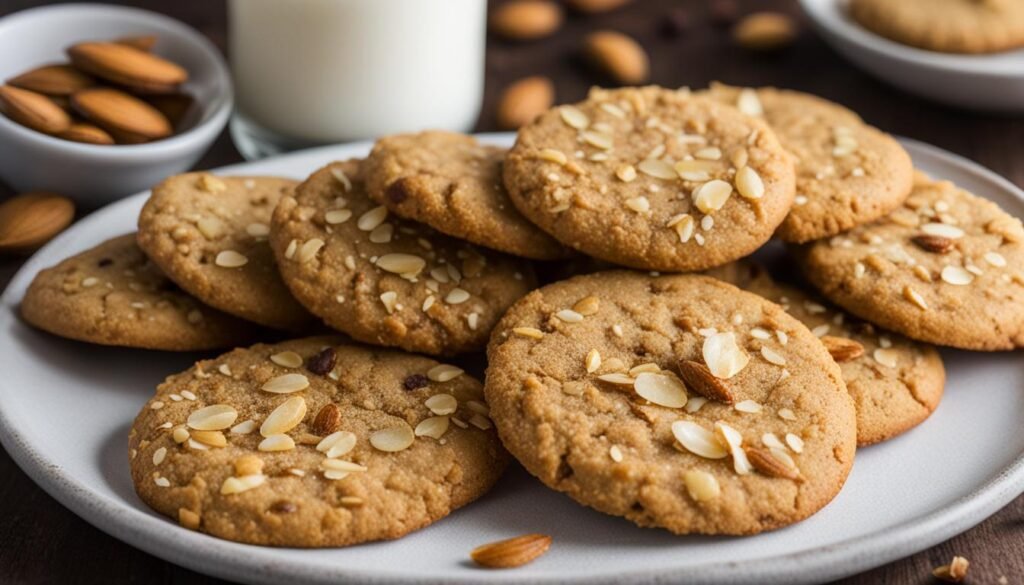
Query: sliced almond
x: 285, y: 417
x: 513, y: 552
x: 128, y: 66
x: 392, y: 439
x: 764, y: 462
x: 842, y: 349
x: 33, y: 110
x: 699, y: 378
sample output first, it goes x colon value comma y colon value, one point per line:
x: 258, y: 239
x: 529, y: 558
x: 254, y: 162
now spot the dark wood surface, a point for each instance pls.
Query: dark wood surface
x: 42, y: 542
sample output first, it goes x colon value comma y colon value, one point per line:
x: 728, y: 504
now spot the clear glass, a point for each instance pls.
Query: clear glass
x: 313, y: 72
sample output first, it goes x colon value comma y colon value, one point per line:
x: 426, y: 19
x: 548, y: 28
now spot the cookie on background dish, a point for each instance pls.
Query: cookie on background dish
x: 948, y: 26
x: 652, y: 178
x: 945, y: 268
x: 653, y: 398
x: 847, y: 172
x: 309, y: 443
x: 452, y: 183
x: 895, y: 383
x: 385, y: 280
x: 209, y: 235
x: 113, y: 294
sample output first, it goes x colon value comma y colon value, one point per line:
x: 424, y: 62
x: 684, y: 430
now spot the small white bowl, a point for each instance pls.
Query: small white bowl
x: 92, y: 174
x: 983, y: 82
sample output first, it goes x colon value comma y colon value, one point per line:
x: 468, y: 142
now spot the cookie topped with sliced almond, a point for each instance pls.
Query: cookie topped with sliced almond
x: 658, y: 399
x: 386, y: 280
x: 209, y: 234
x: 947, y: 267
x: 314, y: 443
x: 896, y: 383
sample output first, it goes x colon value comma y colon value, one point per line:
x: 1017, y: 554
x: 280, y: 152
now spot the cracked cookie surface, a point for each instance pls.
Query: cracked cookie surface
x: 453, y: 183
x: 386, y: 280
x: 649, y: 398
x: 209, y: 235
x: 945, y: 268
x: 895, y: 383
x: 312, y: 443
x: 113, y: 294
x: 652, y: 178
x: 847, y: 172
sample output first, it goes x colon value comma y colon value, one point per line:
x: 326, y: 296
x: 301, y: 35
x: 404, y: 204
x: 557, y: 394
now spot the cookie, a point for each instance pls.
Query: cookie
x: 453, y: 183
x: 948, y: 26
x: 209, y: 235
x: 385, y: 280
x: 895, y: 383
x: 309, y: 443
x: 847, y: 172
x: 652, y: 178
x: 654, y: 399
x: 945, y: 268
x: 113, y: 295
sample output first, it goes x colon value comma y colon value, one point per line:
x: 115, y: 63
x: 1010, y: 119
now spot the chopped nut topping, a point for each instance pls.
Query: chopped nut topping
x: 529, y: 332
x: 954, y: 572
x: 230, y: 259
x: 701, y: 485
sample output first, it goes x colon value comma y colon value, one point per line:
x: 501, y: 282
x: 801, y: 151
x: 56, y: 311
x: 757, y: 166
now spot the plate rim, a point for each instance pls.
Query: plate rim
x: 234, y: 561
x: 828, y: 15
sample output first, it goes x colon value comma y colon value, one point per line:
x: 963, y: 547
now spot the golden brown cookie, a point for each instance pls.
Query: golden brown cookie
x: 945, y: 268
x: 847, y: 172
x: 385, y: 280
x: 113, y: 295
x: 949, y: 26
x: 453, y: 183
x: 895, y: 383
x: 652, y: 178
x: 313, y: 444
x: 653, y: 399
x: 209, y: 235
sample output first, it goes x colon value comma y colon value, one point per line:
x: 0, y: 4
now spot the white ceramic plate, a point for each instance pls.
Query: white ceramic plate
x: 65, y: 409
x: 984, y: 82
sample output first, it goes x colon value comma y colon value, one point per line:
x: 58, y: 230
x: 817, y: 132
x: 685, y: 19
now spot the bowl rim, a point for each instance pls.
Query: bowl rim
x: 831, y: 16
x: 223, y: 101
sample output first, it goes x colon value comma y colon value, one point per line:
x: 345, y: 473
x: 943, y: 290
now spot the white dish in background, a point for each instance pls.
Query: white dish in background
x: 991, y: 82
x: 66, y: 408
x: 91, y: 174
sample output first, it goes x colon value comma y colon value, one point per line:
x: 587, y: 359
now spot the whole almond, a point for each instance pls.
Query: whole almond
x: 934, y: 244
x: 842, y: 349
x: 513, y: 552
x: 523, y: 20
x: 617, y: 55
x: 524, y: 100
x: 120, y: 113
x: 87, y: 133
x: 128, y: 66
x: 34, y: 110
x: 31, y: 219
x: 53, y: 80
x: 140, y: 42
x: 327, y: 421
x: 699, y: 378
x: 765, y: 31
x: 174, y: 106
x: 595, y: 6
x: 766, y: 463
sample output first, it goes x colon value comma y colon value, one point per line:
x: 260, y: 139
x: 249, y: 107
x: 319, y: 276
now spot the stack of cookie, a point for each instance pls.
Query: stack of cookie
x: 680, y: 401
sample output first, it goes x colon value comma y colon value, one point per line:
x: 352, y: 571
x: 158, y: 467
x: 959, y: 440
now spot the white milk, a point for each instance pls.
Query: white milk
x: 320, y: 71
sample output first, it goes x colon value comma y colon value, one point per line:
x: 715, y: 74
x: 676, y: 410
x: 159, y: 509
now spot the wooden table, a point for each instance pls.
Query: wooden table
x: 42, y: 542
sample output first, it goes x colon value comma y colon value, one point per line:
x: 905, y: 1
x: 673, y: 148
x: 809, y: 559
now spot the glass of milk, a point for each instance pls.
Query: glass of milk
x: 311, y: 72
